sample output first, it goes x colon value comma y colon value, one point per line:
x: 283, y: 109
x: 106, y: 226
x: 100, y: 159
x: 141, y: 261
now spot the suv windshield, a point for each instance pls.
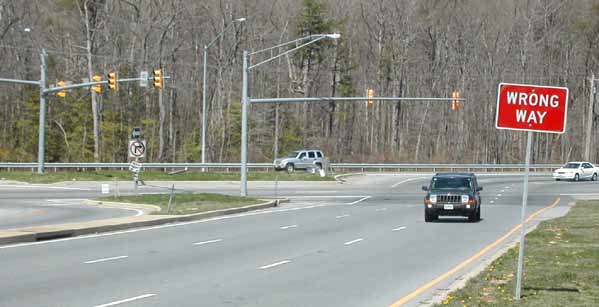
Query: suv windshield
x: 450, y: 183
x: 292, y: 155
x: 572, y: 165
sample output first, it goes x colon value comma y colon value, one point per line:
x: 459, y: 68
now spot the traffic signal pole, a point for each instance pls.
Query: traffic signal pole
x: 44, y: 91
x: 42, y: 129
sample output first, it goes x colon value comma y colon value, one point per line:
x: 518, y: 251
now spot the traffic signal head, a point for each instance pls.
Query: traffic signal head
x: 62, y: 93
x: 157, y: 78
x: 97, y: 87
x: 370, y: 94
x: 455, y: 103
x: 112, y: 80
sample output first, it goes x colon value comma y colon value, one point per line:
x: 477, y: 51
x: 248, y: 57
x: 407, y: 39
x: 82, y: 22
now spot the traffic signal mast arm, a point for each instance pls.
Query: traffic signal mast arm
x: 321, y: 99
x: 84, y: 84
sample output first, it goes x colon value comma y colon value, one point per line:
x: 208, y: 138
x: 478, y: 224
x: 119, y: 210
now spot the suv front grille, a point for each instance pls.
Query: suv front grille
x: 449, y: 198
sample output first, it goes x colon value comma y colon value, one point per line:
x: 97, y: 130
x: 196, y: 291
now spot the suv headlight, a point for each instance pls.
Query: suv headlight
x: 433, y: 198
x: 465, y: 199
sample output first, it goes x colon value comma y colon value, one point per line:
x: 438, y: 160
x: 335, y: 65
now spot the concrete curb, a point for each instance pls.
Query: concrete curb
x: 41, y: 233
x: 340, y: 178
x: 119, y: 205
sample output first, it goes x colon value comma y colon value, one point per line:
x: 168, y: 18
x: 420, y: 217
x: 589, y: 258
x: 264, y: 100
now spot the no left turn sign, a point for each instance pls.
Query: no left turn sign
x: 137, y: 148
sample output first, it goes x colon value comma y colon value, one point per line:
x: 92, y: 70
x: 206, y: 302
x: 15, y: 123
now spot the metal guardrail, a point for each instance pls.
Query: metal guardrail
x: 337, y: 167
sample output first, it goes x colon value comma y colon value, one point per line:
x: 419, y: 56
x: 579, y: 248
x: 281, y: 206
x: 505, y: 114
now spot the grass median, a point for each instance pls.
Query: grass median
x: 187, y: 203
x: 561, y: 266
x: 149, y: 175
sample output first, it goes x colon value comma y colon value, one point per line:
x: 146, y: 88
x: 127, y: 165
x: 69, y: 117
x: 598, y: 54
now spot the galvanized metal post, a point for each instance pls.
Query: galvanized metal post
x: 42, y: 129
x: 204, y: 113
x: 590, y: 113
x: 523, y: 217
x: 245, y: 101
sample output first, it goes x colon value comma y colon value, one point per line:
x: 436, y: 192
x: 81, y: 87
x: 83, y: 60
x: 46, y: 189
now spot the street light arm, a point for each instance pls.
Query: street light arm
x: 222, y: 32
x: 334, y: 35
x: 288, y: 51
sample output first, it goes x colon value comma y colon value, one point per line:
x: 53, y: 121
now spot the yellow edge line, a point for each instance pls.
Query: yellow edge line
x: 460, y: 266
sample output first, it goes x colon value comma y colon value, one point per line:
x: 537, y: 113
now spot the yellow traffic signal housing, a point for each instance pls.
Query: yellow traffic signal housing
x: 98, y: 87
x: 370, y: 94
x: 113, y: 81
x: 157, y: 78
x: 62, y: 93
x: 455, y: 103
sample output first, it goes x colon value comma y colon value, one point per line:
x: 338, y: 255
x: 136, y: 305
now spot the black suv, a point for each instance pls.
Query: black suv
x: 452, y: 194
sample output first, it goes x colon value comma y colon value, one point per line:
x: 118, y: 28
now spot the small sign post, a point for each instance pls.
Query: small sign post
x: 530, y: 108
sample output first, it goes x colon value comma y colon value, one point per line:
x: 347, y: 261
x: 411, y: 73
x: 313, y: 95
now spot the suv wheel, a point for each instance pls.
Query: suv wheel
x: 474, y: 216
x: 290, y: 168
x: 430, y: 217
x: 576, y: 177
x: 594, y: 178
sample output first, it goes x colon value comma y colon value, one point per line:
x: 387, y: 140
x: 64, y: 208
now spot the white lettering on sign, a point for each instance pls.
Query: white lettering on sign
x: 533, y: 99
x: 530, y: 117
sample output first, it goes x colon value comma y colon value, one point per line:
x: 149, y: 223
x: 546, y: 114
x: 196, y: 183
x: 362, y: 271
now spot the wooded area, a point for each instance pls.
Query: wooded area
x: 404, y: 48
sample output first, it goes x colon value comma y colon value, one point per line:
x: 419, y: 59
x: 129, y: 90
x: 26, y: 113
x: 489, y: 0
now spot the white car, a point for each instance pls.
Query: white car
x: 576, y: 171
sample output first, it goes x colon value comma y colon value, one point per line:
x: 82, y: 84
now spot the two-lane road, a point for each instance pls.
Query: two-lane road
x: 363, y: 243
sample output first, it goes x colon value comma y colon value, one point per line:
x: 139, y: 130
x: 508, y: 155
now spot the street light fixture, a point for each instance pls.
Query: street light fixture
x: 205, y: 88
x: 245, y: 99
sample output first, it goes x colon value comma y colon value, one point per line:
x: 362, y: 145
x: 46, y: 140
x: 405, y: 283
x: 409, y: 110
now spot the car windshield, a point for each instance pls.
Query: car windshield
x: 447, y: 183
x: 572, y: 165
x: 292, y: 155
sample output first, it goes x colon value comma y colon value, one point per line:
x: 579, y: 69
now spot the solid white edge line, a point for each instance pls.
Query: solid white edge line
x: 63, y: 200
x: 287, y: 227
x: 341, y: 216
x: 353, y: 241
x: 42, y: 186
x: 268, y: 266
x: 127, y: 300
x: 105, y: 259
x: 404, y: 181
x: 207, y: 242
x: 359, y: 200
x: 399, y: 228
x: 322, y: 196
x: 107, y: 234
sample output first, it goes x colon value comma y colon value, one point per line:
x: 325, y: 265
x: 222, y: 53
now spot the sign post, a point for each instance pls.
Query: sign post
x: 530, y: 108
x: 137, y: 151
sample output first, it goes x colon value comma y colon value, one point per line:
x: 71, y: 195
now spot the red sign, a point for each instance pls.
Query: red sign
x: 531, y: 108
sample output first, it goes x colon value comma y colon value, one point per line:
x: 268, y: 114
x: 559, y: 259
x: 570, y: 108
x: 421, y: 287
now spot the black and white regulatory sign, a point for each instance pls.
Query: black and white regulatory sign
x: 137, y: 148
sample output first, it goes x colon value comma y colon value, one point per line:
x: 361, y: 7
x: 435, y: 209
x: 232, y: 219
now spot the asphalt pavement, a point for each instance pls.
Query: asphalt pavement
x: 361, y: 243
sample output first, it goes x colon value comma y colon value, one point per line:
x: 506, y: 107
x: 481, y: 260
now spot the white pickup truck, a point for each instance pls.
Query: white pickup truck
x: 576, y: 171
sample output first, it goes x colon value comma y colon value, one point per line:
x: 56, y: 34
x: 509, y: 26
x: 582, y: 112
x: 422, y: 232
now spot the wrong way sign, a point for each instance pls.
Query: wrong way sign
x: 137, y: 148
x: 531, y: 108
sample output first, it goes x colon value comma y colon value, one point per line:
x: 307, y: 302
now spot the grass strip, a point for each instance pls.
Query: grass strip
x: 187, y: 203
x: 148, y: 175
x: 561, y: 266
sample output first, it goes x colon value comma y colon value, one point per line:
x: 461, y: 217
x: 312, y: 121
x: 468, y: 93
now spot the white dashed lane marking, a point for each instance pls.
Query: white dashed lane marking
x: 268, y: 266
x: 208, y: 242
x: 353, y: 241
x: 127, y: 300
x: 105, y: 259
